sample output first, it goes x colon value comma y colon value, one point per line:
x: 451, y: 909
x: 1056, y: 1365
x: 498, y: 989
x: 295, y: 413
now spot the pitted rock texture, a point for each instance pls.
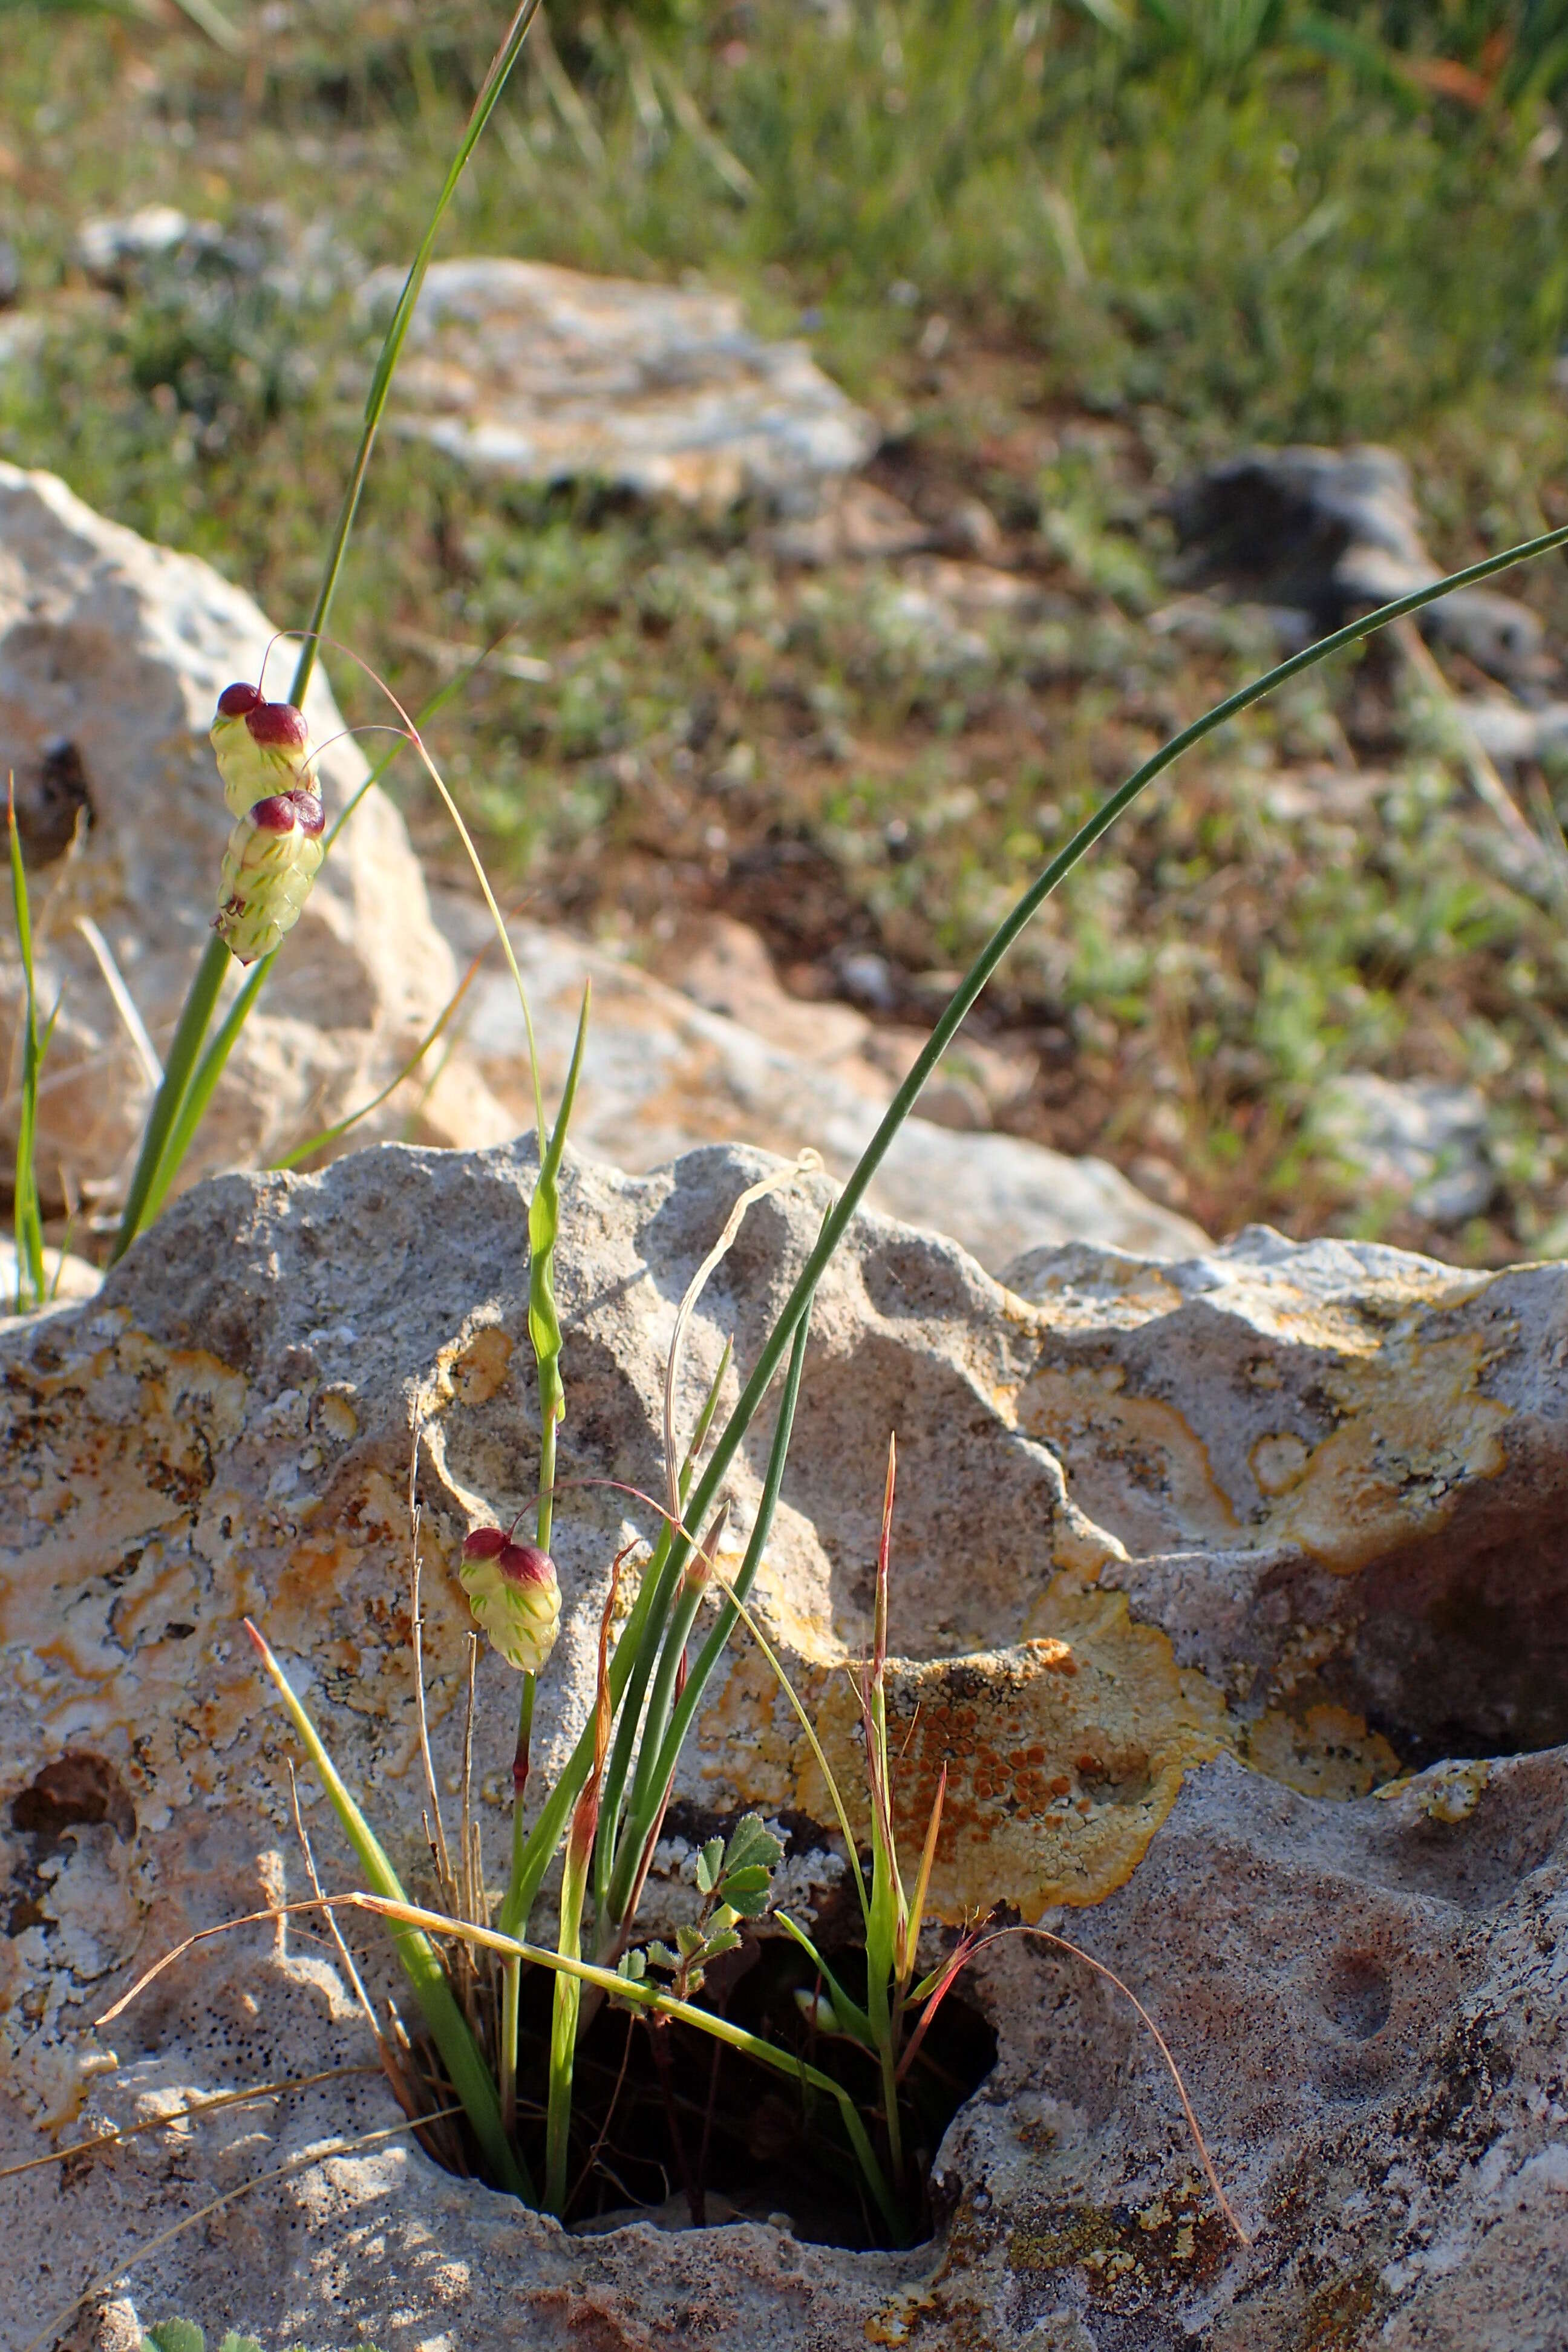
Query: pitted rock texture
x: 1191, y: 1561
x: 112, y: 654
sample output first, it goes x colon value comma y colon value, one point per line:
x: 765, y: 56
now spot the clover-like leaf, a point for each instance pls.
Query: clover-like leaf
x: 175, y: 2336
x: 710, y: 1862
x: 632, y: 1966
x: 753, y: 1845
x: 659, y: 1956
x: 749, y: 1891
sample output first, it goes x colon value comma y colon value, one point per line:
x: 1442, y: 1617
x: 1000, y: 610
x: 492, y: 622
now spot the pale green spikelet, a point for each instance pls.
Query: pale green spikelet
x: 513, y: 1592
x: 262, y: 748
x: 274, y: 854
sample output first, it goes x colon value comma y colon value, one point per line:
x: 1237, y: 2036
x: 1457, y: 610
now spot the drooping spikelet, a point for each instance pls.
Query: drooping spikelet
x: 268, y: 763
x: 262, y: 748
x: 512, y: 1591
x: 274, y: 854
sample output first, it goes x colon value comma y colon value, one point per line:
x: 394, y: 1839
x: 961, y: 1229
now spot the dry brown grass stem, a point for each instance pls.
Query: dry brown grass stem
x: 805, y: 1163
x: 191, y: 2112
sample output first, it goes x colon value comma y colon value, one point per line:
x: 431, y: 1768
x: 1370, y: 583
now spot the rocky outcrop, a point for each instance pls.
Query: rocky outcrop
x: 1329, y: 532
x: 1229, y: 1590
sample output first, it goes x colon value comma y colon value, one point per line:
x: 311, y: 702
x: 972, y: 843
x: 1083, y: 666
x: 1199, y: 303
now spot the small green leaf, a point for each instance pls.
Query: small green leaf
x: 176, y: 2335
x: 233, y: 2343
x: 724, y: 1917
x: 632, y: 1966
x: 726, y: 1941
x: 748, y: 1892
x: 753, y: 1845
x: 690, y: 1940
x: 661, y: 1957
x: 709, y: 1863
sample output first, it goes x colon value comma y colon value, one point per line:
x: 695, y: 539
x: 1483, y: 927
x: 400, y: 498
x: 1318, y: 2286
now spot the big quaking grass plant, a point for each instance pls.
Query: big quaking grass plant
x: 469, y: 1962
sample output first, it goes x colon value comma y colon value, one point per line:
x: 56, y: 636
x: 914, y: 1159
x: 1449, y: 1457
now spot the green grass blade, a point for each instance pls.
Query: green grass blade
x: 545, y: 1835
x: 564, y: 2009
x: 673, y: 1733
x: 543, y: 1317
x: 28, y: 1216
x: 849, y: 2012
x: 201, y: 1002
x: 460, y: 2052
x: 396, y: 335
x: 645, y: 1996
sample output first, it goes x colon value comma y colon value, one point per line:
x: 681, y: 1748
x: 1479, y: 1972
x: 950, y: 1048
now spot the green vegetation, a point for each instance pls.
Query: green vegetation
x: 1063, y: 263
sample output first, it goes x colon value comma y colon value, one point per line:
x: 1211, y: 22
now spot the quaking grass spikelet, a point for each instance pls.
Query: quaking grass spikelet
x: 267, y: 764
x: 512, y: 1591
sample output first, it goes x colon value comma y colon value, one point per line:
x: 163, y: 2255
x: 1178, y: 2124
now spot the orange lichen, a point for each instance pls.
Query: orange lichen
x: 1064, y: 1753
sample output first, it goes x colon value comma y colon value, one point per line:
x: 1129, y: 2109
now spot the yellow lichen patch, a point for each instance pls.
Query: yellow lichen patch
x: 475, y: 1370
x: 1447, y: 1792
x: 1064, y: 1754
x: 1329, y: 1752
x: 1415, y: 1427
x: 1131, y: 1461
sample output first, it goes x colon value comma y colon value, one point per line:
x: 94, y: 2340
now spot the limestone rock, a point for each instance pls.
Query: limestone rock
x: 112, y: 652
x: 527, y: 371
x: 1291, y: 1509
x: 663, y: 1074
x: 1414, y: 1138
x: 1333, y: 532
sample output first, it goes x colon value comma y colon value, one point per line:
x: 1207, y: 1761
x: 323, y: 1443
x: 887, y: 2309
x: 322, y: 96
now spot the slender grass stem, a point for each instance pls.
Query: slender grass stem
x: 200, y: 1000
x: 27, y: 1222
x: 195, y: 1014
x: 396, y: 335
x: 461, y: 2054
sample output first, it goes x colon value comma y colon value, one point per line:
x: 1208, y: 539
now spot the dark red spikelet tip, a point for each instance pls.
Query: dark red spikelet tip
x: 311, y: 816
x: 525, y: 1564
x: 235, y: 701
x: 484, y: 1543
x: 278, y: 813
x: 277, y: 725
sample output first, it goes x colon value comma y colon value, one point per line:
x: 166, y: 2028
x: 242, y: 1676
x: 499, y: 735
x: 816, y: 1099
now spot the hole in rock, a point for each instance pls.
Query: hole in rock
x: 669, y: 2123
x: 1459, y: 1650
x: 1358, y: 1995
x: 77, y: 1788
x: 49, y: 799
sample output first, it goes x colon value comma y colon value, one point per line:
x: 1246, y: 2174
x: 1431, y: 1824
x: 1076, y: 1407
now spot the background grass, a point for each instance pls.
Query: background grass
x: 1065, y: 253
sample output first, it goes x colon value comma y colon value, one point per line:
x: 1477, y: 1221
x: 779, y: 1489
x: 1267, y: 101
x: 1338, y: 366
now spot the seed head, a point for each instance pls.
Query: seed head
x: 513, y: 1592
x: 262, y: 748
x: 274, y: 854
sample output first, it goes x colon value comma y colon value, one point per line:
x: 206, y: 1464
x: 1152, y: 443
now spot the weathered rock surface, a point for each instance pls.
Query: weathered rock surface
x: 1296, y: 1510
x: 523, y: 370
x: 1333, y: 531
x: 112, y: 652
x: 663, y: 1074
